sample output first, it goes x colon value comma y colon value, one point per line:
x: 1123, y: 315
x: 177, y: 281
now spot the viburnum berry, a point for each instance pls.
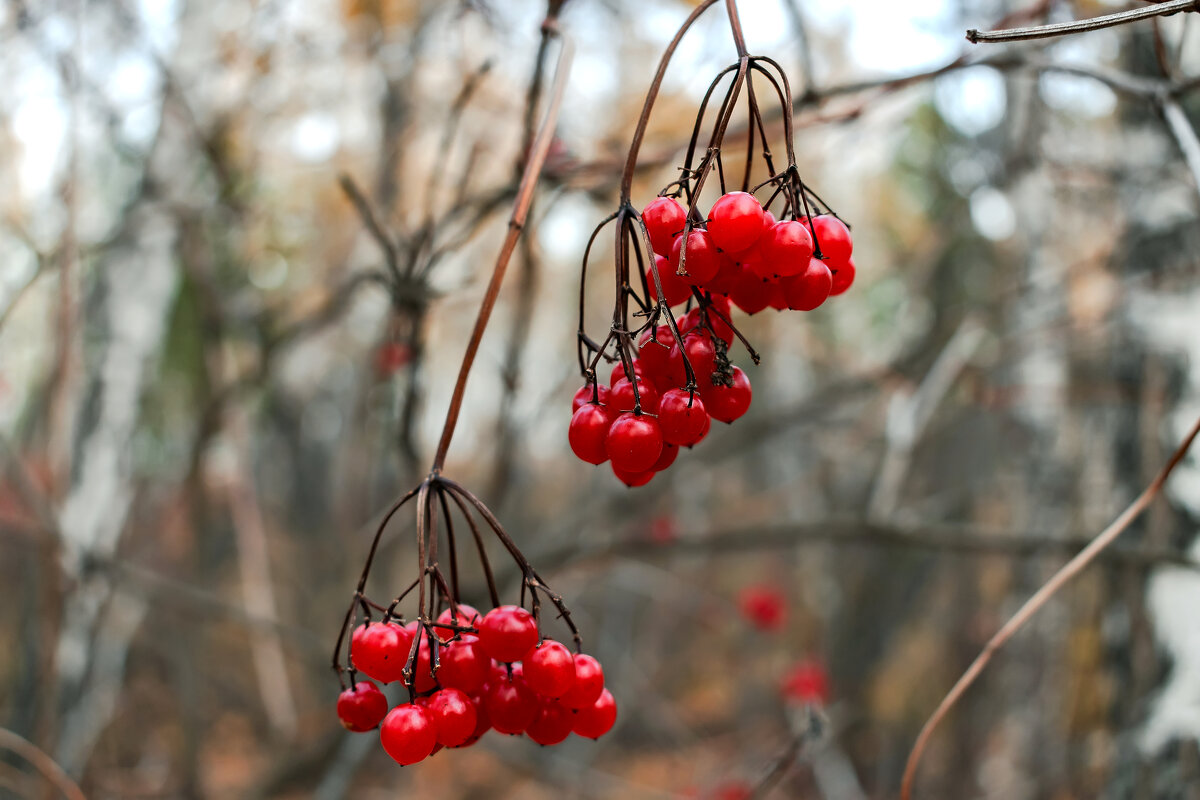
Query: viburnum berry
x: 453, y: 716
x: 843, y: 277
x: 462, y: 615
x: 379, y: 650
x: 552, y: 724
x: 618, y: 372
x: 589, y: 683
x: 669, y: 453
x: 764, y: 607
x: 408, y: 734
x: 807, y: 683
x: 736, y: 221
x: 634, y: 442
x: 787, y: 247
x: 422, y: 678
x: 654, y: 349
x: 718, y: 308
x: 675, y: 289
x: 633, y: 479
x: 463, y: 665
x: 584, y: 396
x: 511, y: 705
x: 664, y: 219
x: 727, y: 403
x: 834, y: 238
x: 701, y: 262
x: 549, y: 669
x: 597, y: 719
x: 810, y: 289
x: 701, y: 354
x: 506, y: 633
x: 726, y: 276
x: 681, y: 417
x: 588, y: 433
x: 621, y: 397
x: 482, y: 723
x: 363, y: 706
x: 750, y: 292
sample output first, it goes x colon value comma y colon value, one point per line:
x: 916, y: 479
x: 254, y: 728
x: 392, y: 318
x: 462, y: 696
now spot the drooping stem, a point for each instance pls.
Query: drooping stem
x: 1083, y: 25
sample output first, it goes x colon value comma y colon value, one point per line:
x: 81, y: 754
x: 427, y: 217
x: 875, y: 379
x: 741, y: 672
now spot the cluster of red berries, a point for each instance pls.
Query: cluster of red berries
x: 492, y: 672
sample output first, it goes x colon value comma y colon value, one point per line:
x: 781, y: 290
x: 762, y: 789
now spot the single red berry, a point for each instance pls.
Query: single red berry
x: 363, y: 706
x: 669, y: 453
x: 701, y: 263
x: 843, y: 277
x: 707, y: 428
x: 778, y: 301
x: 764, y: 607
x: 597, y: 719
x: 408, y: 734
x: 380, y: 650
x: 621, y: 398
x: 549, y: 669
x: 701, y: 354
x: 511, y: 705
x: 736, y: 221
x: 664, y: 219
x: 589, y: 682
x: 727, y: 403
x: 552, y: 724
x: 482, y: 723
x: 809, y: 290
x: 750, y: 292
x: 619, y: 372
x: 588, y: 433
x: 633, y: 479
x: 787, y: 247
x: 585, y: 394
x: 453, y: 716
x: 726, y: 277
x: 681, y: 417
x: 634, y: 442
x: 834, y: 238
x: 462, y: 615
x: 675, y: 289
x: 654, y: 350
x: 506, y: 633
x: 463, y: 665
x: 807, y: 683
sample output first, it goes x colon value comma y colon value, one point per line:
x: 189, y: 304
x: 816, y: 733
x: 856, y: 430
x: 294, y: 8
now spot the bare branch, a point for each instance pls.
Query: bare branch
x: 1082, y: 25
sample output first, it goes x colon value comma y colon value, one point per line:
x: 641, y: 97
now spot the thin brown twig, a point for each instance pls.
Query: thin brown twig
x: 43, y: 763
x: 1082, y: 25
x: 1035, y: 604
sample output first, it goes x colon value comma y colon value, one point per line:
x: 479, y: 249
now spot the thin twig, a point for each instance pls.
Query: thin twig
x: 1035, y: 604
x: 1082, y: 25
x: 1185, y: 135
x: 43, y: 763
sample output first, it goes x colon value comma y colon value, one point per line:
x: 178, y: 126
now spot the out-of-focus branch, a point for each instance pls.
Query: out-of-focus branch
x: 1185, y: 135
x: 1082, y: 25
x: 1035, y: 604
x: 42, y: 762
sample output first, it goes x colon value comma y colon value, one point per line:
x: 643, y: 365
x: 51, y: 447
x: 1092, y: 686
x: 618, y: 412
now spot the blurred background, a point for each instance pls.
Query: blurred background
x: 213, y: 377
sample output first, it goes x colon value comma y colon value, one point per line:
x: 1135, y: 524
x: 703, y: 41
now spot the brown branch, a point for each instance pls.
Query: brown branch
x: 1035, y: 604
x: 1082, y: 25
x: 43, y: 763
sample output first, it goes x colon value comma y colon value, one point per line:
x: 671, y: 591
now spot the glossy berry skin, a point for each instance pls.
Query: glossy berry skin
x: 664, y: 219
x: 843, y: 277
x: 702, y: 261
x: 787, y: 248
x: 618, y: 372
x: 408, y: 734
x: 463, y: 615
x: 621, y: 397
x: 453, y: 716
x: 482, y: 723
x: 681, y: 417
x: 584, y: 396
x: 669, y: 453
x: 506, y: 633
x: 363, y: 706
x: 633, y: 479
x: 511, y: 705
x: 726, y: 276
x: 589, y: 683
x: 549, y: 669
x: 701, y: 354
x: 634, y: 442
x: 588, y: 433
x: 552, y: 724
x: 675, y: 289
x: 654, y: 353
x: 727, y: 403
x: 750, y: 292
x: 736, y: 221
x: 463, y: 665
x: 808, y: 291
x: 596, y: 720
x: 834, y: 238
x: 380, y: 650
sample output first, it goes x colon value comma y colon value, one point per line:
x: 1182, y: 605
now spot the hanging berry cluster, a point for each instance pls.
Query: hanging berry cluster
x: 790, y: 251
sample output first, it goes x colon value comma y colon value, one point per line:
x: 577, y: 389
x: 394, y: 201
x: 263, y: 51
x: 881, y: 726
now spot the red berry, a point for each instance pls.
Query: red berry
x: 701, y: 354
x: 664, y: 219
x: 619, y: 372
x: 669, y: 453
x: 727, y: 403
x: 654, y: 349
x: 589, y: 683
x: 506, y: 633
x: 482, y: 723
x: 736, y: 221
x: 596, y: 720
x: 843, y: 277
x: 834, y: 238
x: 807, y: 682
x: 681, y: 417
x: 750, y: 292
x: 675, y: 289
x: 380, y: 650
x: 809, y: 290
x: 701, y: 263
x: 733, y: 790
x: 621, y: 398
x: 726, y: 277
x: 453, y: 716
x: 552, y: 724
x: 588, y: 432
x: 549, y: 669
x: 787, y: 248
x: 362, y: 706
x: 423, y: 679
x: 584, y: 396
x: 408, y: 734
x: 718, y: 308
x: 634, y: 442
x: 633, y: 479
x: 764, y: 607
x: 510, y: 704
x: 462, y: 665
x: 462, y: 615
